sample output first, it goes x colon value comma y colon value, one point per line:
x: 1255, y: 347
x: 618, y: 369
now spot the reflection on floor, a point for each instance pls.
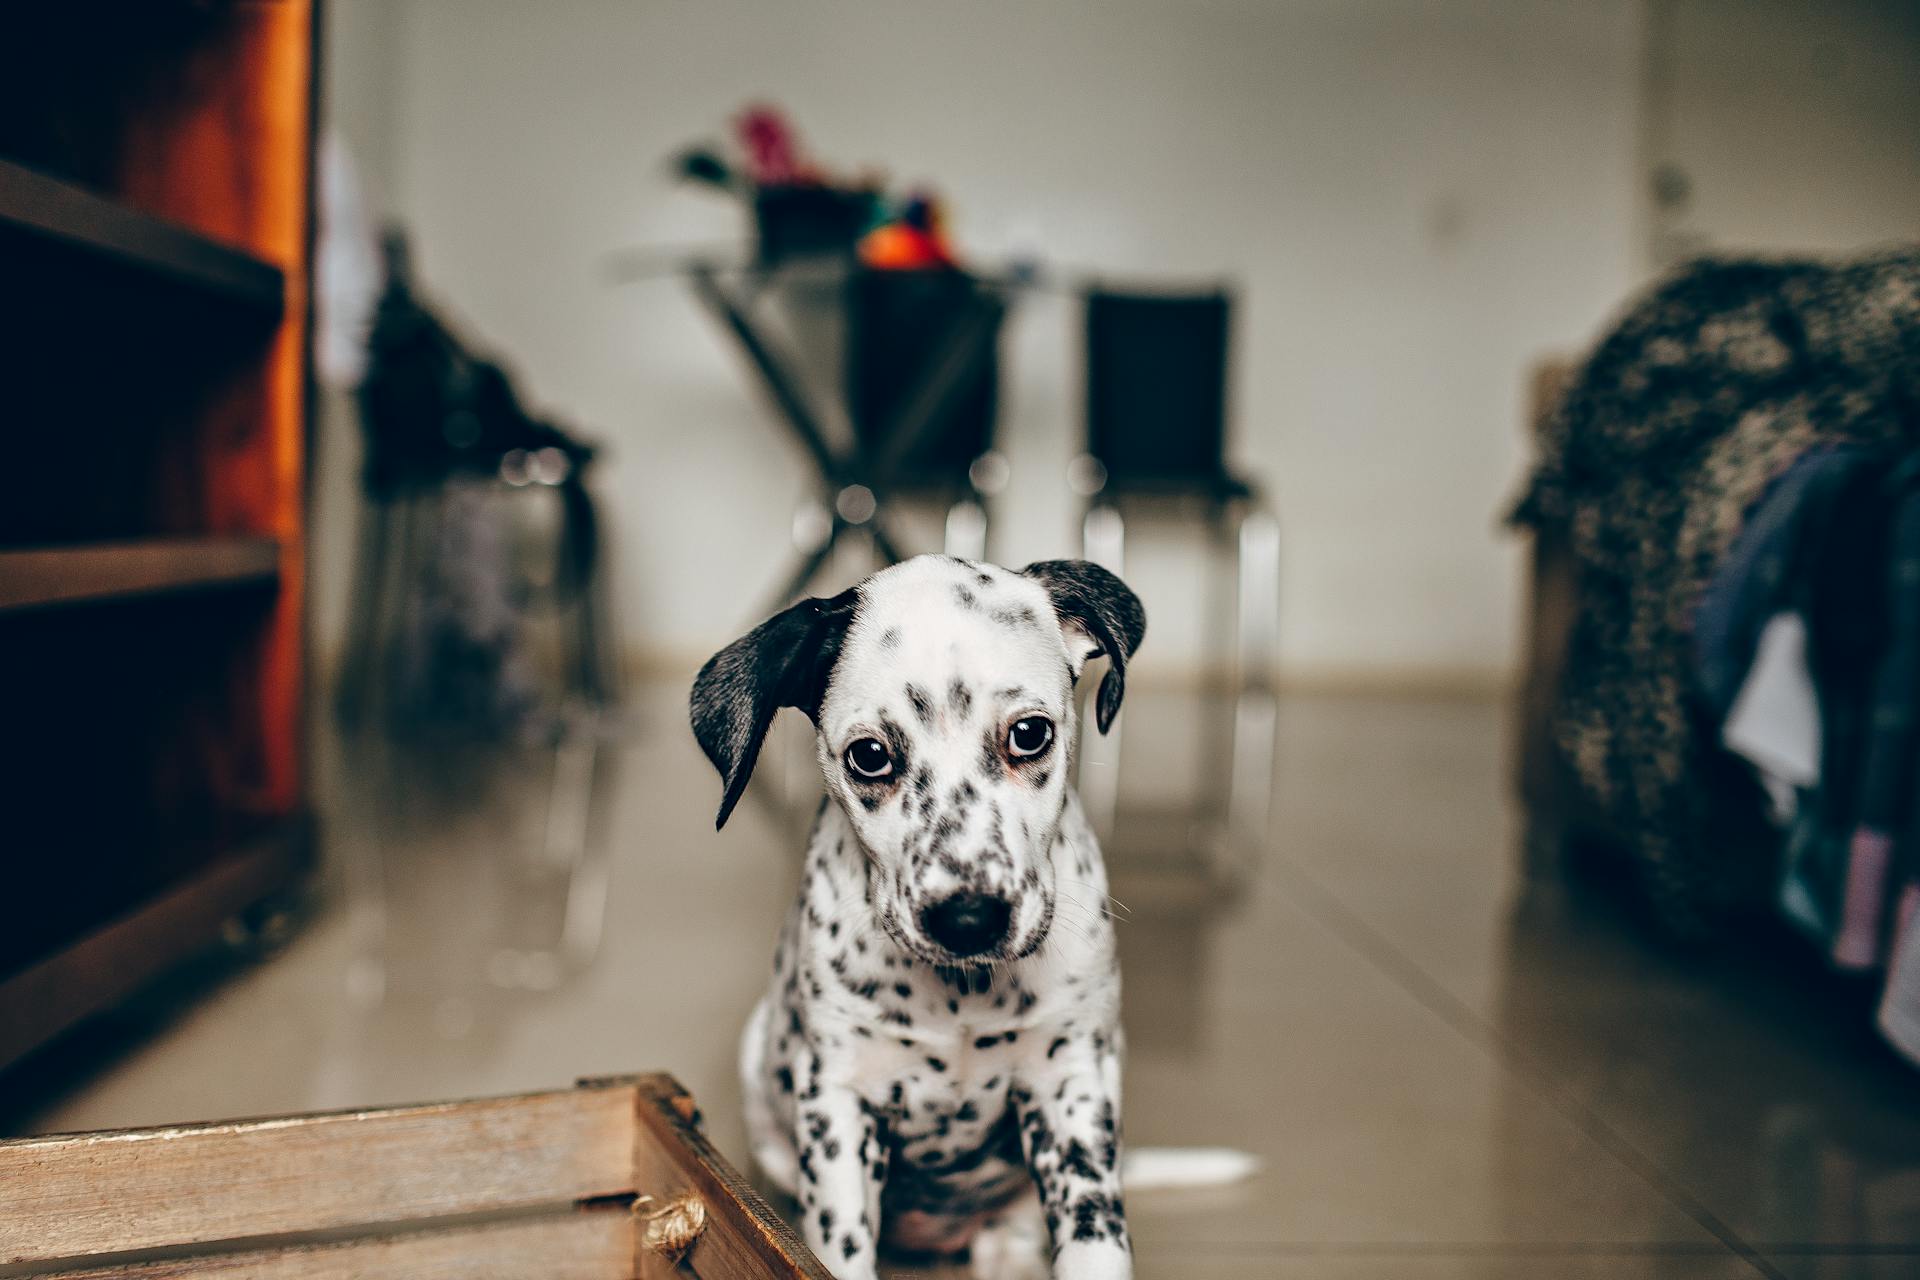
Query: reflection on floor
x: 1448, y: 1073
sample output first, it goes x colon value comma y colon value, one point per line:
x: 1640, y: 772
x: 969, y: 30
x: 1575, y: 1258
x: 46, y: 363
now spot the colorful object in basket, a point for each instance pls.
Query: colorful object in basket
x: 915, y: 241
x: 773, y: 149
x: 801, y: 209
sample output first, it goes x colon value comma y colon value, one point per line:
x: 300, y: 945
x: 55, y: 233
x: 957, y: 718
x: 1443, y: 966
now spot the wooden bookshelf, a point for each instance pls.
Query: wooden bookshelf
x: 37, y: 211
x: 121, y: 955
x: 155, y: 228
x: 40, y: 577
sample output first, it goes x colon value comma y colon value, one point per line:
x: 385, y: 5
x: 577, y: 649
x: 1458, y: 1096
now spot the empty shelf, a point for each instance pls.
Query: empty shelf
x: 44, y: 576
x: 35, y: 205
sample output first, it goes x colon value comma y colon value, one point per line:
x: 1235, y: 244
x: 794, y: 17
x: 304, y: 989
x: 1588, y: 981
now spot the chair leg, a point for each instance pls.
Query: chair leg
x: 967, y: 530
x: 1103, y: 541
x: 1256, y: 709
x: 812, y: 526
x: 1103, y: 537
x: 590, y: 766
x: 1259, y: 597
x: 353, y: 683
x: 883, y: 544
x: 570, y: 798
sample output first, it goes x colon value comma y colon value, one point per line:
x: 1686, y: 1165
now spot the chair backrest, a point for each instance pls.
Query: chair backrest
x: 1156, y: 396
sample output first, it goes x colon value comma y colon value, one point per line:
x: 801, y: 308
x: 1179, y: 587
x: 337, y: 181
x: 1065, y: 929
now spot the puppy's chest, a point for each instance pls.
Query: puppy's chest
x: 934, y: 1053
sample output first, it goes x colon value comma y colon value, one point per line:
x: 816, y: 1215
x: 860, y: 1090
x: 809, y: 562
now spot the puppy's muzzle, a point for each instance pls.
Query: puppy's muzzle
x: 968, y: 924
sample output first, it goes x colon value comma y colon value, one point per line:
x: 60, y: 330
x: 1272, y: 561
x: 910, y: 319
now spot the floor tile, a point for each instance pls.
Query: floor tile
x: 1324, y: 1265
x: 1846, y: 1266
x: 1451, y: 1267
x: 1750, y: 1079
x: 1445, y: 1076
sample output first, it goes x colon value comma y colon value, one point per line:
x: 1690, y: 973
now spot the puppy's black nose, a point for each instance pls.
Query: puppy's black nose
x: 968, y: 923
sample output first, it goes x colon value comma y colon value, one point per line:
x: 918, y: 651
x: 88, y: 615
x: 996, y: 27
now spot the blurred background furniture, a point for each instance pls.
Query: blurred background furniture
x: 1540, y: 774
x: 154, y: 196
x: 480, y: 688
x: 879, y: 352
x: 890, y: 383
x: 1722, y: 688
x: 1157, y: 378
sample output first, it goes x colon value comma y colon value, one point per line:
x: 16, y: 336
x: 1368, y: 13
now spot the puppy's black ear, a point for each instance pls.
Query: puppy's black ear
x: 1101, y: 615
x: 783, y: 662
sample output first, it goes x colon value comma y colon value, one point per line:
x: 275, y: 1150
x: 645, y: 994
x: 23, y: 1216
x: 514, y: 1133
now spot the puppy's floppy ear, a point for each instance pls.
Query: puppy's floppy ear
x: 783, y: 662
x: 1100, y: 615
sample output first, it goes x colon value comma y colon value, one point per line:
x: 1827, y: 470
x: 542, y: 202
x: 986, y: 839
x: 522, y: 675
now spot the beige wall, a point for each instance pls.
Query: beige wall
x: 1795, y: 124
x: 1417, y: 198
x: 360, y: 75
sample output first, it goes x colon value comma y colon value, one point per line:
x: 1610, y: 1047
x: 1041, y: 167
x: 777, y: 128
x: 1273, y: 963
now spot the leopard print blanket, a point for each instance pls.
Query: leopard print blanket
x: 1706, y: 390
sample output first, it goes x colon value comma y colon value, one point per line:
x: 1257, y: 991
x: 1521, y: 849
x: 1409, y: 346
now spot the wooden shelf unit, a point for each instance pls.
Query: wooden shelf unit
x: 36, y: 207
x: 155, y: 224
x: 44, y: 576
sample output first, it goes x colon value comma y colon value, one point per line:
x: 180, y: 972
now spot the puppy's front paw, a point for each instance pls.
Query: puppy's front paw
x: 1012, y: 1247
x: 1092, y: 1260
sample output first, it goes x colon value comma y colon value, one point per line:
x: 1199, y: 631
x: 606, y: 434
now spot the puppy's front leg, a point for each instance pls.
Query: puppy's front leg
x: 1070, y: 1131
x: 842, y: 1166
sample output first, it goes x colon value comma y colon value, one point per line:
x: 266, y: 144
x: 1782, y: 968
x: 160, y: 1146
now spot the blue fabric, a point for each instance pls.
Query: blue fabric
x: 1755, y: 580
x: 1858, y: 583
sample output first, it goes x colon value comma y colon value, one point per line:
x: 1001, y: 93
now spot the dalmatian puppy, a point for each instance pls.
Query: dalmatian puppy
x: 935, y: 1068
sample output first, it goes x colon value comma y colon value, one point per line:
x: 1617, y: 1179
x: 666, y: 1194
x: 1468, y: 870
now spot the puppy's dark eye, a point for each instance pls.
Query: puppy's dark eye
x: 1029, y: 737
x: 869, y: 758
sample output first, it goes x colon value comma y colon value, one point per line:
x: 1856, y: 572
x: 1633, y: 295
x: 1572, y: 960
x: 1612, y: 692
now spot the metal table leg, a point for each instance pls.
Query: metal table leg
x: 854, y: 476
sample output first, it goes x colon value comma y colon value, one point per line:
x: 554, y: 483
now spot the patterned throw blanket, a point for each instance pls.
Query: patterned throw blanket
x: 1707, y: 390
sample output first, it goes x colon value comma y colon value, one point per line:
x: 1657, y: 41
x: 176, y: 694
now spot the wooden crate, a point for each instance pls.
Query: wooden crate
x: 568, y: 1185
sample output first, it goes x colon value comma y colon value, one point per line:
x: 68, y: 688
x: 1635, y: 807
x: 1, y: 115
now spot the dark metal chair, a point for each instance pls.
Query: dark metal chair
x: 480, y: 669
x: 1156, y: 445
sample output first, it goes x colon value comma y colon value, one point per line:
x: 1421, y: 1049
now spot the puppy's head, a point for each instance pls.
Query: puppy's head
x: 942, y: 695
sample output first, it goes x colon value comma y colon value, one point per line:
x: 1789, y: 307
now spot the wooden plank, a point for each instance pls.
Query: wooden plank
x: 235, y: 160
x: 33, y: 204
x: 87, y: 1194
x: 745, y: 1239
x: 112, y: 962
x: 587, y: 1244
x: 42, y: 576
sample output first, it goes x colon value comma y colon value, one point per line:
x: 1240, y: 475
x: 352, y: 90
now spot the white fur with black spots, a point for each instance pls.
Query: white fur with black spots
x: 936, y: 1066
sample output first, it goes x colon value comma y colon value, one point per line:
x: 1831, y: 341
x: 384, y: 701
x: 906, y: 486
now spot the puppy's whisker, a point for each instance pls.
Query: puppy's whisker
x: 1074, y: 926
x: 1123, y: 907
x: 1090, y: 915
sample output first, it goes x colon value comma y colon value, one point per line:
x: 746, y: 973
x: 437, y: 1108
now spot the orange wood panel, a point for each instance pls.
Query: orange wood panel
x: 229, y: 153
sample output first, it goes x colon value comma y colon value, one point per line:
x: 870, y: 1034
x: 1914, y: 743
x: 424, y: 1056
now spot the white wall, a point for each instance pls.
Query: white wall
x: 1416, y: 198
x: 360, y: 77
x: 1795, y: 124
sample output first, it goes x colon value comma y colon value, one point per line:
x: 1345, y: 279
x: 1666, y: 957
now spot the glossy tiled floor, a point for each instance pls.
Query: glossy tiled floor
x: 1448, y: 1072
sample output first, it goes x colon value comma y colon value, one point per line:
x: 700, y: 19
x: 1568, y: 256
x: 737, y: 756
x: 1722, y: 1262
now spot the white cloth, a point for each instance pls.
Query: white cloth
x: 1775, y: 720
x: 1900, y: 1002
x: 347, y: 271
